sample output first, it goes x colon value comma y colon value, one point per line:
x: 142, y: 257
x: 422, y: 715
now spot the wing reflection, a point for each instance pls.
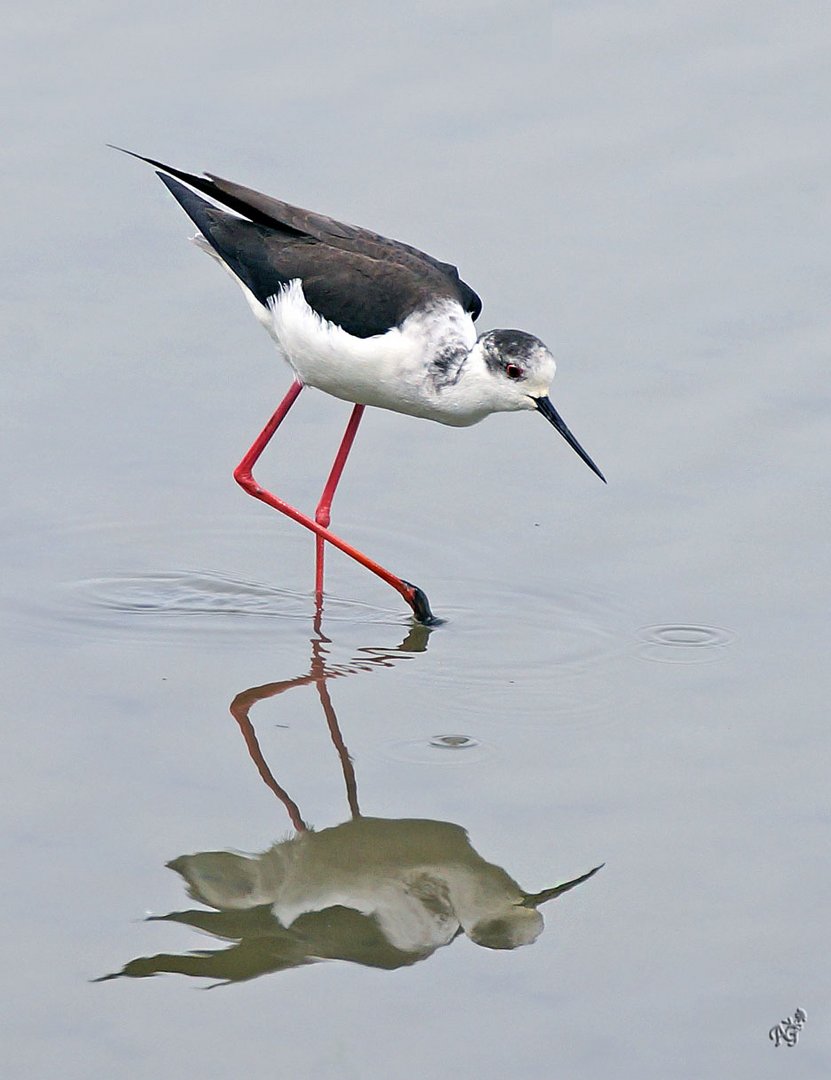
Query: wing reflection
x: 381, y: 892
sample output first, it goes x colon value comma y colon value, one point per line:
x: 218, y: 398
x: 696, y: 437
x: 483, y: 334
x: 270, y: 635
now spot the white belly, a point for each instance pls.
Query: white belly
x: 390, y: 371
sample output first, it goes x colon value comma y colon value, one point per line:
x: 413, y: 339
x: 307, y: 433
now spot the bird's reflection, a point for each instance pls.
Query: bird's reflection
x: 382, y: 892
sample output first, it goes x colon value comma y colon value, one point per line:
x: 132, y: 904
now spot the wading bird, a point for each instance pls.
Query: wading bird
x: 365, y: 319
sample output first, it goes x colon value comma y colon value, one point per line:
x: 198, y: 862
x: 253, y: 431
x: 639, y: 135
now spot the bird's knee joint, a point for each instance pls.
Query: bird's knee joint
x: 245, y: 479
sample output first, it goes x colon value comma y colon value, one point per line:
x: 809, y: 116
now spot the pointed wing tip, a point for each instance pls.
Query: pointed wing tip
x: 152, y: 161
x: 124, y: 150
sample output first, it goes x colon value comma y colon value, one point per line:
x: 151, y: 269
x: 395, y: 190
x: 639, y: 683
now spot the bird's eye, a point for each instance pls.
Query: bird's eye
x: 513, y: 371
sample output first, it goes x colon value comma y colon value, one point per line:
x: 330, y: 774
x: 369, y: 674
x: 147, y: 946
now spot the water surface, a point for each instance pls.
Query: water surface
x: 633, y: 675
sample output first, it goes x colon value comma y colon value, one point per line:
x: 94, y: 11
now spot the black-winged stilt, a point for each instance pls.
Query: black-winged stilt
x: 365, y: 319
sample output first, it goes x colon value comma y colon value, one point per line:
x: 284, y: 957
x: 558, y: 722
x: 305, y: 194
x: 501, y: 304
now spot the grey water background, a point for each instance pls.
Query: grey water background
x: 641, y: 669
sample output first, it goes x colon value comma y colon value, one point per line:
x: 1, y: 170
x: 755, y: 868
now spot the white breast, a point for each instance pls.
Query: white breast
x: 390, y: 371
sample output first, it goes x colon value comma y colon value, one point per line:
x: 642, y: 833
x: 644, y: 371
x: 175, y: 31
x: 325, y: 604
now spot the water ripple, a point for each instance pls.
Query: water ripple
x: 438, y: 750
x: 189, y: 600
x: 679, y: 643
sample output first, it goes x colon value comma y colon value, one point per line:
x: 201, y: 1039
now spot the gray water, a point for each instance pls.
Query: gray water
x: 634, y: 675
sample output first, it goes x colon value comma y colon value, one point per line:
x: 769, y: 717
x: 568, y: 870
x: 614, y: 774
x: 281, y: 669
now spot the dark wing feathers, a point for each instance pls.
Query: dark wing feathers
x: 209, y: 187
x: 217, y: 227
x: 339, y: 234
x: 351, y: 276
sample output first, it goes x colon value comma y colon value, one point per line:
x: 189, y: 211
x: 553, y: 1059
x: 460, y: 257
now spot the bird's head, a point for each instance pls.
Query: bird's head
x: 520, y: 370
x: 517, y: 921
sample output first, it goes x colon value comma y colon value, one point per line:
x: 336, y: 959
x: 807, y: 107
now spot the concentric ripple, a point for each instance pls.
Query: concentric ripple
x: 187, y: 600
x: 453, y: 742
x: 175, y: 593
x: 679, y: 643
x: 451, y: 749
x: 559, y: 655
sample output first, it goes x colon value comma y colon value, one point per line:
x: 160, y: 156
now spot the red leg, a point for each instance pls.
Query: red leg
x: 243, y: 476
x: 323, y: 514
x: 240, y: 708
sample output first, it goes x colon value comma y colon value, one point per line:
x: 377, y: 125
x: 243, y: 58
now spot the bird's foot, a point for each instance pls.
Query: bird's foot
x: 417, y: 599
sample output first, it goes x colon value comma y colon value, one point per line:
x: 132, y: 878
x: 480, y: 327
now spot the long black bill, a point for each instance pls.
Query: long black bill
x: 535, y: 899
x: 550, y: 413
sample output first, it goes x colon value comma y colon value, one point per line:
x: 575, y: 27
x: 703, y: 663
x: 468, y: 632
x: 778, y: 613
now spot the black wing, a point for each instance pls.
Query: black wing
x: 353, y: 277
